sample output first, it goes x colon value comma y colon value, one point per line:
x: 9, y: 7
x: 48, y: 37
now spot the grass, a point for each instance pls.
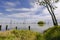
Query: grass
x: 50, y: 34
x: 20, y: 35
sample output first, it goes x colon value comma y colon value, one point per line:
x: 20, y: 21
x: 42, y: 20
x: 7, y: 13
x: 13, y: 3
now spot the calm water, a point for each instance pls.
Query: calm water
x: 33, y: 27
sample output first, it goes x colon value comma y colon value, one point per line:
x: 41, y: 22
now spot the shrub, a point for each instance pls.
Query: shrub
x: 52, y: 33
x: 41, y: 23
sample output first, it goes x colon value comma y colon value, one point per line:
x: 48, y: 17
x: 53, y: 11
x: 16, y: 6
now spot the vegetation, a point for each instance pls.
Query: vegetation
x: 52, y: 33
x: 20, y: 35
x: 41, y: 23
x: 50, y: 7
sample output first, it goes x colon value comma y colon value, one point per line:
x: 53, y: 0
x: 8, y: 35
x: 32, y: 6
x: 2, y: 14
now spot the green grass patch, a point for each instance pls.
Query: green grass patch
x: 52, y: 33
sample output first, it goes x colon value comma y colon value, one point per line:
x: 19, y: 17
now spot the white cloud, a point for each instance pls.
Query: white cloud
x: 32, y: 11
x: 57, y: 10
x: 1, y: 13
x: 19, y: 15
x: 34, y: 8
x: 29, y: 14
x: 45, y: 11
x: 19, y: 9
x: 10, y: 4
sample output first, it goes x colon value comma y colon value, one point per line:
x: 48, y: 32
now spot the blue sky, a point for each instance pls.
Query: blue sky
x: 5, y: 4
x: 24, y: 9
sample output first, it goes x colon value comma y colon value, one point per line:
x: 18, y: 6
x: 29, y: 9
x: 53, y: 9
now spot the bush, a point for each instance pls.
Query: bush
x: 41, y: 23
x: 20, y: 35
x: 52, y: 33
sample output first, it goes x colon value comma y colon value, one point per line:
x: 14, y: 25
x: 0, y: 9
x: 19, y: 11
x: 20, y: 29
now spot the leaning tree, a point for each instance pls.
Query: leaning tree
x: 49, y: 4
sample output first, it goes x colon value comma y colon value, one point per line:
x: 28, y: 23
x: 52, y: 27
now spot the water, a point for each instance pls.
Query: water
x: 33, y: 27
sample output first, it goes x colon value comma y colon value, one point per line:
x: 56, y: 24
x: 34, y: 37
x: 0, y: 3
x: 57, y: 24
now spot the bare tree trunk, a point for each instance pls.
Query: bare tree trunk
x: 55, y: 23
x: 54, y: 17
x: 49, y: 7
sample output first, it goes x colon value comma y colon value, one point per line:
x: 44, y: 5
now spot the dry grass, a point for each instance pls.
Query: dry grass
x: 19, y: 35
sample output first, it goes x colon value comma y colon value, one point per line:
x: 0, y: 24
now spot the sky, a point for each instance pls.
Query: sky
x: 20, y: 10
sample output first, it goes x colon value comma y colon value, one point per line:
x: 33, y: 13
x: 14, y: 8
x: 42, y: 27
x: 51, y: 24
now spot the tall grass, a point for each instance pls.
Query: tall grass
x: 20, y: 35
x: 50, y: 34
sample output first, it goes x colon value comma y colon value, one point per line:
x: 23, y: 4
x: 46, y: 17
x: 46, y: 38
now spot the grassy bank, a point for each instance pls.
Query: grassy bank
x: 20, y: 35
x: 50, y: 34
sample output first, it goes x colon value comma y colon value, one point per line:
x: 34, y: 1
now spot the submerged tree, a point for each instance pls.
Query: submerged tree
x: 50, y: 7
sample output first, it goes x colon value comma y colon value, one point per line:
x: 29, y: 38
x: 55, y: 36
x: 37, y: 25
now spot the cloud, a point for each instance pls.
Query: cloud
x: 1, y: 13
x: 19, y: 15
x: 33, y: 8
x: 19, y: 9
x: 30, y: 13
x: 57, y: 10
x: 10, y: 4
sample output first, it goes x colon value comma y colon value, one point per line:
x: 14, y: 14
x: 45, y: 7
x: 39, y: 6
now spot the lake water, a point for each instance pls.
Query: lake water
x: 33, y: 27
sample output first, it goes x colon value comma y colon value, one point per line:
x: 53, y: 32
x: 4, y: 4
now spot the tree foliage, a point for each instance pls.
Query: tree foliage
x: 41, y: 23
x: 49, y: 2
